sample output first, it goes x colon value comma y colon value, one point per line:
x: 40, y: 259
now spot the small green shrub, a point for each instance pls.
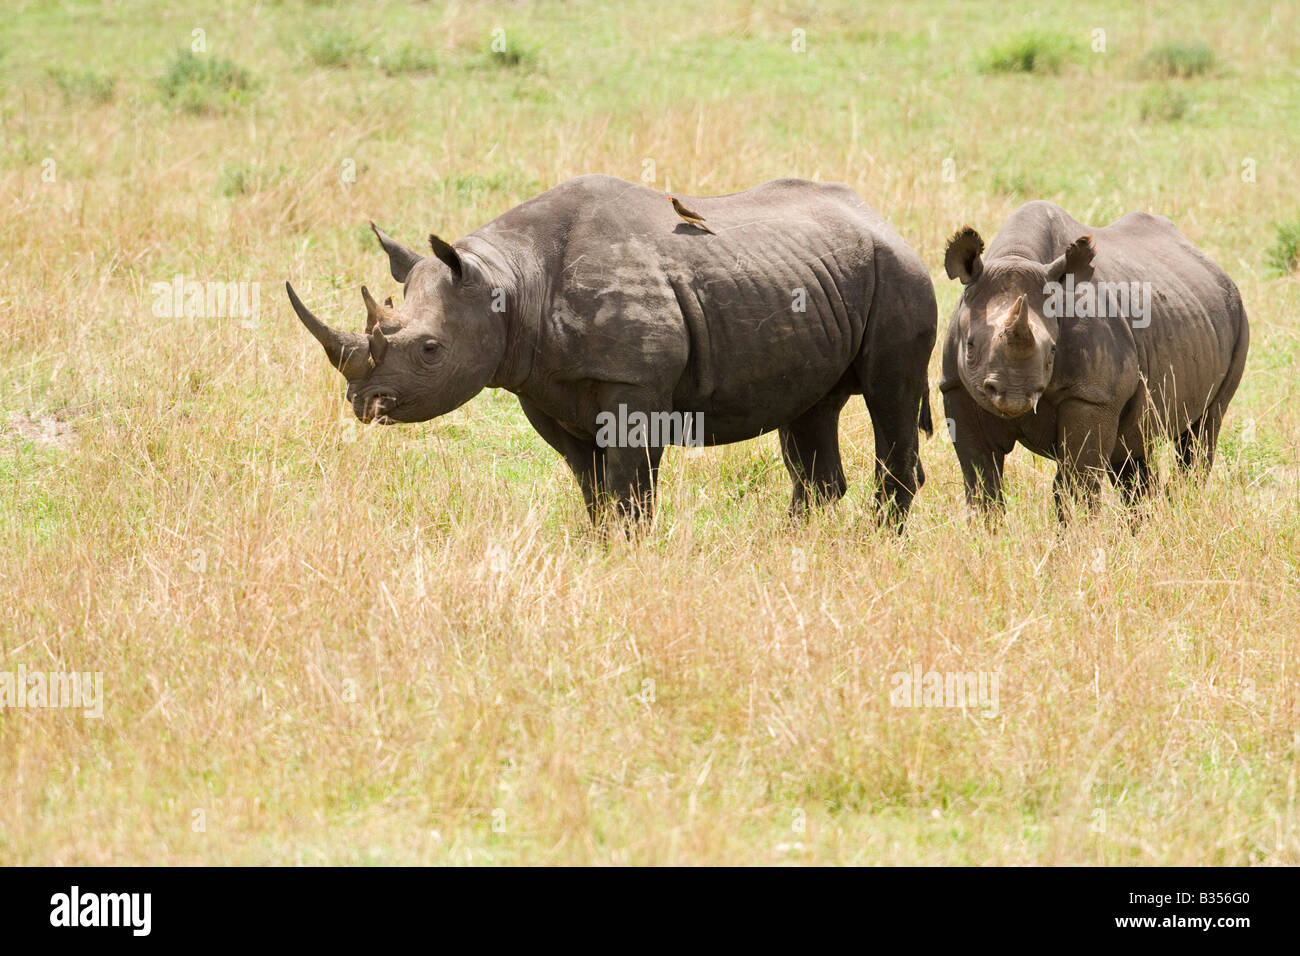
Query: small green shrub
x: 335, y: 49
x: 1284, y: 254
x: 82, y: 84
x: 204, y: 84
x: 1029, y: 52
x: 1177, y: 60
x: 1164, y: 104
x: 512, y: 54
x: 409, y: 59
x: 242, y: 179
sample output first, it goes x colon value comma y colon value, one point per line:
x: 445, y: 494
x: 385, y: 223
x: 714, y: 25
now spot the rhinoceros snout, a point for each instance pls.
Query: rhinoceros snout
x: 1012, y: 406
x: 375, y: 408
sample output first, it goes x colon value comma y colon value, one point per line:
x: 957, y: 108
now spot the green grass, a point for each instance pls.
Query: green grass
x: 473, y: 188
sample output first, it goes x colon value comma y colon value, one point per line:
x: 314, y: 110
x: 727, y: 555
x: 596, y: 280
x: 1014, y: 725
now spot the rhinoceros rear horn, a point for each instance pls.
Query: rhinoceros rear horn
x: 377, y: 314
x: 347, y: 351
x: 400, y: 259
x: 378, y: 345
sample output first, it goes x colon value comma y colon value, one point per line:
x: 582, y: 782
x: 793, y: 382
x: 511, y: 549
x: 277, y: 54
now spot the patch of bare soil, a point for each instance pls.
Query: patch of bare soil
x: 47, y: 431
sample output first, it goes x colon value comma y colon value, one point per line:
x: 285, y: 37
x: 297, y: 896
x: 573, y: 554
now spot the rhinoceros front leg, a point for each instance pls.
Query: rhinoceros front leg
x: 585, y: 459
x: 628, y: 482
x: 1086, y: 435
x: 1133, y: 477
x: 630, y: 437
x: 981, y: 450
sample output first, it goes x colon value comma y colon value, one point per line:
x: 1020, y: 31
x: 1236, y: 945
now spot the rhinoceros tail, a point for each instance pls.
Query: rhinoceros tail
x: 927, y: 424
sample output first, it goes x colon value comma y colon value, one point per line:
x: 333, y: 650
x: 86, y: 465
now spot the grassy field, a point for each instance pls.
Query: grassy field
x: 326, y: 643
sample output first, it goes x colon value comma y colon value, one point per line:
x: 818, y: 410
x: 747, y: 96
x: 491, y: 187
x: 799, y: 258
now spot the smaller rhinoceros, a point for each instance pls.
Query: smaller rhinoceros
x: 1084, y: 345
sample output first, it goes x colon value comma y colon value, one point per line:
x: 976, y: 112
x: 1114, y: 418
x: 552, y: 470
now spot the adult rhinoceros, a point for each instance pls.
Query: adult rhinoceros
x: 1085, y: 345
x: 595, y: 301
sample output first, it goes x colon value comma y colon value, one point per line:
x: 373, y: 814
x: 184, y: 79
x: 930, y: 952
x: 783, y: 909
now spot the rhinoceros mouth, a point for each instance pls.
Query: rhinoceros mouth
x: 1010, y: 416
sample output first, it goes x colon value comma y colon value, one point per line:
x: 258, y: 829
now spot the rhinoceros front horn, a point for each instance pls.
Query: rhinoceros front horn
x: 349, y: 352
x: 1016, y: 329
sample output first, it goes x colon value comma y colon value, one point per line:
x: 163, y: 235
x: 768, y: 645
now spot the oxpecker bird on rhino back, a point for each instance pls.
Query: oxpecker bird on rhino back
x: 1085, y: 345
x: 595, y: 302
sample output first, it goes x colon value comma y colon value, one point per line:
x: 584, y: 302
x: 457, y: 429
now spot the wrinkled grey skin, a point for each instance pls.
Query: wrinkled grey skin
x: 609, y: 298
x: 1103, y: 389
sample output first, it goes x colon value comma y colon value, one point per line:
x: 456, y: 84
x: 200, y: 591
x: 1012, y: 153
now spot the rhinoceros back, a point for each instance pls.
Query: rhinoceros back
x: 1192, y: 341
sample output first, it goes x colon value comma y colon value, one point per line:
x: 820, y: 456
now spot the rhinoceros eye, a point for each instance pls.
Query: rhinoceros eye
x: 430, y: 348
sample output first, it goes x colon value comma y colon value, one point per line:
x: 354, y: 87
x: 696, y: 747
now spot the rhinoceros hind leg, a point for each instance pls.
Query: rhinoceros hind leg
x: 810, y: 446
x: 1196, y: 445
x: 894, y: 419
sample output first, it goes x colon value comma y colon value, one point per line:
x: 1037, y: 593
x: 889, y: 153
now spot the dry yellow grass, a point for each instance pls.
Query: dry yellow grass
x: 324, y: 643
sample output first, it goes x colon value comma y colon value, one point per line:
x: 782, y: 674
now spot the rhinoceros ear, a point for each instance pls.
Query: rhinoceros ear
x: 1076, y: 261
x: 400, y: 259
x: 447, y: 253
x: 962, y: 258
